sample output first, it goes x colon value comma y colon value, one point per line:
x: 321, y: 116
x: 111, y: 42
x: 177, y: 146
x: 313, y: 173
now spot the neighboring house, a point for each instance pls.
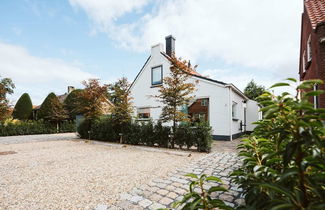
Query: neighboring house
x: 312, y: 46
x: 105, y: 105
x: 229, y: 112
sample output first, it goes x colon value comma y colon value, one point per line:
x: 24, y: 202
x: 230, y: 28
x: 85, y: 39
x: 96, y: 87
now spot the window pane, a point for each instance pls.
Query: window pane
x: 156, y: 75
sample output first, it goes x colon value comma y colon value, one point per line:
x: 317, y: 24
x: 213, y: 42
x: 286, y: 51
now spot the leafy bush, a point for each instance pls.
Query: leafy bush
x: 23, y: 108
x: 14, y: 128
x: 106, y: 129
x: 283, y: 160
x: 200, y: 198
x: 46, y: 106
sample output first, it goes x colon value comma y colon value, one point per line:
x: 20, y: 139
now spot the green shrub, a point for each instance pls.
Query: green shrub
x: 203, y: 137
x: 34, y: 127
x: 284, y: 158
x: 83, y: 129
x: 162, y: 135
x: 146, y: 133
x: 23, y: 108
x: 46, y: 106
x: 71, y: 103
x: 199, y: 197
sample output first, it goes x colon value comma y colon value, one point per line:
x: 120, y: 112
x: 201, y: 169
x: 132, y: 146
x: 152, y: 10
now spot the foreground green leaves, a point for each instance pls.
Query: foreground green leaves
x: 283, y: 160
x: 200, y: 198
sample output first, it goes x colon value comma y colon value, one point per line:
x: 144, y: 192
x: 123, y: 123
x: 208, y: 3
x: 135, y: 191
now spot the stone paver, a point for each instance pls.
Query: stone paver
x: 163, y: 192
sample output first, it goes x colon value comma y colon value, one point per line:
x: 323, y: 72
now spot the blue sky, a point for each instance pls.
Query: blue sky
x: 47, y: 45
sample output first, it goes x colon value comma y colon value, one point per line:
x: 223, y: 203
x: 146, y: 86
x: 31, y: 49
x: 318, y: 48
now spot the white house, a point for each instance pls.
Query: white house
x: 229, y: 112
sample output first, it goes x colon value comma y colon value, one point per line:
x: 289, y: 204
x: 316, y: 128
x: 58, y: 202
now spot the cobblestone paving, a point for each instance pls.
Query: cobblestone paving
x: 161, y: 193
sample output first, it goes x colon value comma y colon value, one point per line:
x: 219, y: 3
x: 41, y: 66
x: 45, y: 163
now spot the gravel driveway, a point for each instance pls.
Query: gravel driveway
x: 36, y: 138
x: 75, y: 174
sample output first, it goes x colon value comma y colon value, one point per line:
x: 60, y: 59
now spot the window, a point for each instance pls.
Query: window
x: 156, y: 75
x: 143, y: 113
x: 303, y: 62
x: 204, y: 102
x: 199, y: 117
x: 309, y: 54
x: 316, y: 105
x: 234, y: 110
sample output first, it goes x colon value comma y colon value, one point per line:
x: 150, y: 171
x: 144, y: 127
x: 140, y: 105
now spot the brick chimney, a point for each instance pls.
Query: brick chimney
x: 70, y: 89
x: 170, y: 45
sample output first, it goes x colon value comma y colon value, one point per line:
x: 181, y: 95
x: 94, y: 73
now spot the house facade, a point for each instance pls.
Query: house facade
x: 312, y: 46
x: 229, y: 112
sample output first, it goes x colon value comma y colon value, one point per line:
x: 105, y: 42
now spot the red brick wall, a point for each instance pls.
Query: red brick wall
x: 196, y: 107
x: 316, y: 68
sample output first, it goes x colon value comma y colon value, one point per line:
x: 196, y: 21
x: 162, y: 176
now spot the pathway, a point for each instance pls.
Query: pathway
x: 161, y: 193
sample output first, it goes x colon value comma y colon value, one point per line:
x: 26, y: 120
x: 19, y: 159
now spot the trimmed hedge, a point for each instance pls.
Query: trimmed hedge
x: 148, y: 134
x: 23, y: 108
x: 34, y: 127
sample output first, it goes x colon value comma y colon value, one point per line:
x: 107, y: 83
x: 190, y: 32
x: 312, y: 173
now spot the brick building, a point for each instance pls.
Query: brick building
x: 312, y: 46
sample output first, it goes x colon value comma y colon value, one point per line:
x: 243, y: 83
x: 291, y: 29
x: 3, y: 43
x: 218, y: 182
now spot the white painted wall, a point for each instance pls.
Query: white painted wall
x: 252, y: 114
x: 220, y: 117
x: 240, y: 113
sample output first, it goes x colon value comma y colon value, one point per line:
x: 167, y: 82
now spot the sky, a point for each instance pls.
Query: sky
x: 48, y: 45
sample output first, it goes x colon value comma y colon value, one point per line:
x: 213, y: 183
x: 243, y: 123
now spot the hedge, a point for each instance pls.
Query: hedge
x: 23, y: 108
x: 148, y: 134
x: 35, y: 127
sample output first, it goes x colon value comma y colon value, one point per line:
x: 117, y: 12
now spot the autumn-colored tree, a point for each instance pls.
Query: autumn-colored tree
x: 6, y: 87
x: 176, y: 92
x: 56, y: 113
x: 90, y: 100
x: 119, y: 95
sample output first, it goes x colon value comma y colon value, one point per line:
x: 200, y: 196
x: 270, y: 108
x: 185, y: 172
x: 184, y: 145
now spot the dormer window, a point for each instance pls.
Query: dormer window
x: 156, y: 75
x: 309, y: 54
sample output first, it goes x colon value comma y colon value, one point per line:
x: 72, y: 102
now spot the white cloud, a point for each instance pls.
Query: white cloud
x: 38, y: 76
x: 241, y: 78
x: 259, y: 34
x: 104, y: 12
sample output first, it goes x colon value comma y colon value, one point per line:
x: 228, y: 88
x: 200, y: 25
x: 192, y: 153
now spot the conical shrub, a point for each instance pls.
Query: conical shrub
x: 46, y: 106
x: 23, y: 108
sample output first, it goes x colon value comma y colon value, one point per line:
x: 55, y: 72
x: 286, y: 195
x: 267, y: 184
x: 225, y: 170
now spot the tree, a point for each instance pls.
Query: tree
x: 23, y: 108
x: 119, y: 95
x: 176, y: 92
x: 71, y: 103
x: 90, y: 100
x: 252, y: 90
x: 6, y: 87
x: 56, y: 113
x: 46, y: 106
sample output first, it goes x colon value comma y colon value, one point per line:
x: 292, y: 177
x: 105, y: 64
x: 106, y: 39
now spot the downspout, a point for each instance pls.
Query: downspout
x: 230, y: 114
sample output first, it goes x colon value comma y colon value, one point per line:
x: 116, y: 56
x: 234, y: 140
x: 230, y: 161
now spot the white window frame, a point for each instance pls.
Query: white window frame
x: 204, y: 102
x: 309, y: 53
x: 144, y: 110
x: 304, y: 61
x: 234, y: 110
x: 315, y: 97
x: 153, y: 69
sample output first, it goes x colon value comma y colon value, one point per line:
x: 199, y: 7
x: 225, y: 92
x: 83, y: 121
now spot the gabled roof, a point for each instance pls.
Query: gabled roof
x: 196, y: 74
x: 316, y: 12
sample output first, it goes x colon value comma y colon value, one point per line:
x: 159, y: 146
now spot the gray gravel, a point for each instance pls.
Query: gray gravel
x: 37, y: 138
x: 77, y: 175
